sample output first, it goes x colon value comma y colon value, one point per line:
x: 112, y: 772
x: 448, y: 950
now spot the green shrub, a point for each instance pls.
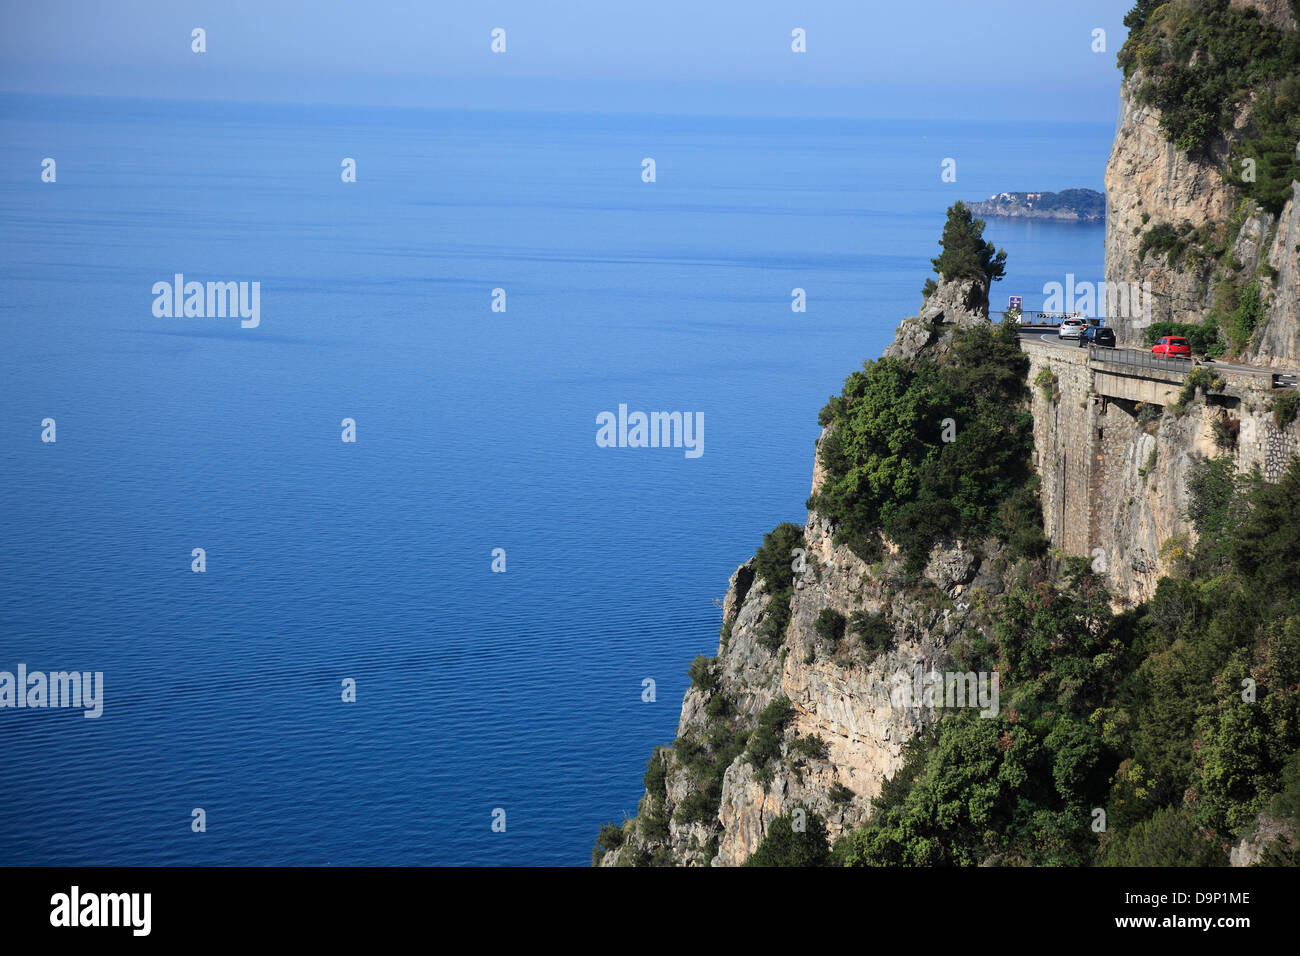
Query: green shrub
x: 718, y: 707
x: 1245, y: 318
x: 872, y: 630
x: 783, y: 845
x: 889, y: 469
x: 966, y: 253
x: 1048, y: 384
x: 830, y: 626
x: 702, y: 674
x: 774, y: 564
x: 654, y: 817
x: 1285, y: 806
x: 611, y: 837
x: 813, y: 747
x: 1271, y: 147
x: 1201, y: 379
x: 656, y: 774
x: 1169, y: 838
x: 662, y: 856
x: 1162, y: 239
x: 1282, y: 851
x: 1020, y: 522
x: 1284, y: 408
x: 765, y: 741
x: 706, y: 762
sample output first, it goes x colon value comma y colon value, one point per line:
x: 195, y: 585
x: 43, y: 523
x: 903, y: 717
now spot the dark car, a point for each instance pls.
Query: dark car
x: 1098, y: 335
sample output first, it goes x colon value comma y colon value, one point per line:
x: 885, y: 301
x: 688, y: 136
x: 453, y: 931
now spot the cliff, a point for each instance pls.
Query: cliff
x: 792, y: 716
x: 1127, y: 500
x: 1176, y: 219
x: 845, y: 736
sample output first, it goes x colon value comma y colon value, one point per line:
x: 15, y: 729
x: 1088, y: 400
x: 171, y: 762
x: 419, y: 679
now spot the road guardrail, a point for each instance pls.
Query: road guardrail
x: 1139, y: 359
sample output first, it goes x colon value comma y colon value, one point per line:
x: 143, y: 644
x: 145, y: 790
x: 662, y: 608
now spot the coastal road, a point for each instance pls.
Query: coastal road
x: 1037, y: 333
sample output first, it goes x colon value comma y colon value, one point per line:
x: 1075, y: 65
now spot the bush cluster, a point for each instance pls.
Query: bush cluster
x: 1200, y: 61
x: 1140, y: 714
x: 889, y: 469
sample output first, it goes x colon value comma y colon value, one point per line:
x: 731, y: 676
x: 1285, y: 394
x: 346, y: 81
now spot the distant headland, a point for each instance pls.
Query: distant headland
x: 1071, y: 205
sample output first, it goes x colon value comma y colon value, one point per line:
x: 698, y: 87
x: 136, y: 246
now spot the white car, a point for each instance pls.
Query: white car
x: 1070, y: 329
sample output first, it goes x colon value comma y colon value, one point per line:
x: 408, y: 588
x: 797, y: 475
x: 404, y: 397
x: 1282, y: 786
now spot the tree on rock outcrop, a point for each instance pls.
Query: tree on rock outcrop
x: 966, y: 253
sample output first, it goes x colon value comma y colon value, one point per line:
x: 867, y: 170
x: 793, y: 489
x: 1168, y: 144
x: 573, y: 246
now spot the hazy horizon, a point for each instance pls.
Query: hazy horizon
x: 1011, y: 60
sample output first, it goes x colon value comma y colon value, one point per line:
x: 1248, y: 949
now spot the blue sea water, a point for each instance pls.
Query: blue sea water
x: 475, y: 430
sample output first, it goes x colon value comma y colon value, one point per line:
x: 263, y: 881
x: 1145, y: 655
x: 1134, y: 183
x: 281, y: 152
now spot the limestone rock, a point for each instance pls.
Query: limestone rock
x: 952, y: 306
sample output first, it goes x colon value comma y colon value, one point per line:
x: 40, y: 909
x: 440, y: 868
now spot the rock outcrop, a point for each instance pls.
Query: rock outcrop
x: 1278, y: 343
x: 952, y: 306
x: 840, y: 694
x: 1133, y: 510
x: 1268, y: 828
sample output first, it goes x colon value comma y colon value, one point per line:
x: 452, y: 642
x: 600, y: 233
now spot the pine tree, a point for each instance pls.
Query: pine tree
x: 966, y: 254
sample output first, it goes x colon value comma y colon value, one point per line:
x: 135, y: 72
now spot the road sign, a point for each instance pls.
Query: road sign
x: 1014, y: 303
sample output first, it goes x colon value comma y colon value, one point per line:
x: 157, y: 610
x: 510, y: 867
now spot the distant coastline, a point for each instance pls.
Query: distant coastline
x: 1069, y: 205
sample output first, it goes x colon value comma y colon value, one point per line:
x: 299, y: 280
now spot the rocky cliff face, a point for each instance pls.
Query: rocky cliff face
x: 840, y: 693
x: 952, y: 306
x: 1138, y: 473
x: 1151, y: 184
x: 1278, y: 344
x: 1114, y: 487
x: 1149, y: 181
x: 1115, y: 472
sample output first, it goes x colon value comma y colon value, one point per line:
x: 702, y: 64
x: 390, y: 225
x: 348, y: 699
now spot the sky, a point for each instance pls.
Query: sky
x: 928, y: 59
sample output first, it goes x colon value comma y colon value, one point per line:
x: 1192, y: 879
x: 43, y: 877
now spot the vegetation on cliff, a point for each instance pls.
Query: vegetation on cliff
x: 1152, y: 737
x: 789, y: 844
x: 965, y: 254
x: 922, y: 450
x: 1201, y: 61
x: 774, y: 564
x: 1155, y: 736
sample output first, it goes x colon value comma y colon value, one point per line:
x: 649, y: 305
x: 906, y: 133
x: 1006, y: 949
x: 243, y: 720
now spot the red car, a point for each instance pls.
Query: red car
x: 1171, y: 345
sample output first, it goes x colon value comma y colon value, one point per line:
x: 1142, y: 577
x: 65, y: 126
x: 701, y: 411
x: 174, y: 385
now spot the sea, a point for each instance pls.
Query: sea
x: 455, y: 639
